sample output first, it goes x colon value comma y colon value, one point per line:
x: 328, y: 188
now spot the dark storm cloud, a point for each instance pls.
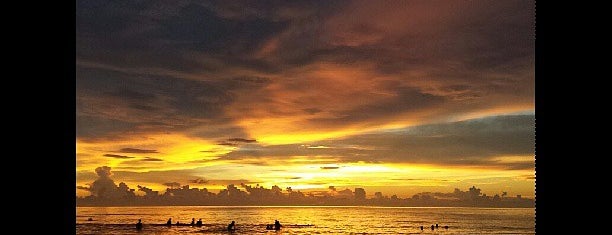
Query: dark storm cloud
x: 92, y: 126
x: 159, y: 34
x: 184, y: 66
x: 405, y: 100
x: 476, y: 142
x: 134, y: 150
x: 169, y: 104
x: 117, y: 156
x: 130, y: 94
x: 120, y: 44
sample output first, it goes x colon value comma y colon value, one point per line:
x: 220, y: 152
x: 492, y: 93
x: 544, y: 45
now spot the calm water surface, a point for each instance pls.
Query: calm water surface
x: 307, y: 220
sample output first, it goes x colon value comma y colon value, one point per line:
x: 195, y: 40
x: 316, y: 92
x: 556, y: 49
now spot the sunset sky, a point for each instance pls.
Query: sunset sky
x: 393, y: 96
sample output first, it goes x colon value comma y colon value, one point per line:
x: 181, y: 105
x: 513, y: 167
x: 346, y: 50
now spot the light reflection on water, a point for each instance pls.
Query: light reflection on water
x: 307, y: 220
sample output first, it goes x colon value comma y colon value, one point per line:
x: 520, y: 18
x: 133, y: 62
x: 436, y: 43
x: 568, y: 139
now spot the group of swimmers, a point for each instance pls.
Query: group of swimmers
x: 276, y: 226
x: 230, y: 227
x: 435, y: 227
x: 193, y: 222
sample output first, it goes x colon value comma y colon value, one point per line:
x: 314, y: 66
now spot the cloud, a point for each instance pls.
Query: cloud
x: 325, y: 66
x: 117, y: 156
x: 172, y: 184
x: 227, y: 143
x: 174, y: 104
x: 83, y: 188
x: 151, y: 159
x: 199, y: 181
x: 236, y: 141
x: 231, y: 181
x: 103, y: 172
x: 330, y: 167
x: 474, y: 142
x: 373, y: 82
x: 131, y: 95
x: 104, y: 187
x: 312, y: 110
x: 404, y: 100
x: 134, y: 150
x: 242, y: 140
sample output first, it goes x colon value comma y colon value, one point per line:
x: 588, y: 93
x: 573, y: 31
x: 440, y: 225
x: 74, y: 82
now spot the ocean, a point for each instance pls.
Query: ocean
x: 307, y: 220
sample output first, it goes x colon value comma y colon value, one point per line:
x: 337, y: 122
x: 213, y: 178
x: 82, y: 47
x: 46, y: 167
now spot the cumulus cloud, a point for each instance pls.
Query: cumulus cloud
x: 105, y: 187
x: 103, y: 172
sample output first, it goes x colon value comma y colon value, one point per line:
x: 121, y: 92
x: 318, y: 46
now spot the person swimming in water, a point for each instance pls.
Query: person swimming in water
x: 445, y: 226
x: 432, y: 227
x: 169, y: 222
x: 436, y: 226
x: 231, y: 227
x: 199, y: 223
x: 277, y: 225
x: 139, y: 225
x: 192, y: 221
x: 421, y: 227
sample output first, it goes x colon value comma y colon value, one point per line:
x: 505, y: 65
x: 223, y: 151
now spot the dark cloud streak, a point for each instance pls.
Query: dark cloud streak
x: 117, y: 156
x: 151, y: 159
x: 134, y: 150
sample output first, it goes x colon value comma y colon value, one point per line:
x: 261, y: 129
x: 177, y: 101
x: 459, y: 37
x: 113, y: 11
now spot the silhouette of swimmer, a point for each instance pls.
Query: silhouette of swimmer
x: 139, y: 225
x: 192, y: 221
x: 436, y: 226
x: 177, y: 223
x: 169, y: 222
x: 432, y: 227
x: 421, y: 227
x: 90, y: 219
x: 231, y: 227
x: 445, y: 226
x: 199, y: 223
x: 277, y: 225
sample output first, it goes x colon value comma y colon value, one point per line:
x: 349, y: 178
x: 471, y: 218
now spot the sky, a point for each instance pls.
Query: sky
x: 399, y: 97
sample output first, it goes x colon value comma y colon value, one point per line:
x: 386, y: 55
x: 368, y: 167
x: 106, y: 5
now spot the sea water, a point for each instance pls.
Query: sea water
x: 307, y: 220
